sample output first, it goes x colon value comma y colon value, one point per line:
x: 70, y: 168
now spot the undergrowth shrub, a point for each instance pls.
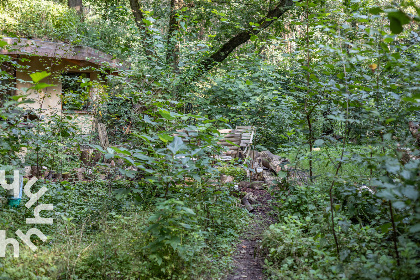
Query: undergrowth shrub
x: 301, y: 245
x: 39, y: 19
x: 52, y: 21
x: 238, y: 173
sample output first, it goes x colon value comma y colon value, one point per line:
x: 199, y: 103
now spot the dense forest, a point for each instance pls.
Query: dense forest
x: 209, y: 139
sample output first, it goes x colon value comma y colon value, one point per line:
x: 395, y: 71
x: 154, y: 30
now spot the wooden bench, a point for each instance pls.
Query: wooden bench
x: 237, y: 140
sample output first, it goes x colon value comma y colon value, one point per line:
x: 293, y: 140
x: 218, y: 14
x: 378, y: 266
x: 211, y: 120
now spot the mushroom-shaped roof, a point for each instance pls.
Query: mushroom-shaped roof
x: 78, y: 54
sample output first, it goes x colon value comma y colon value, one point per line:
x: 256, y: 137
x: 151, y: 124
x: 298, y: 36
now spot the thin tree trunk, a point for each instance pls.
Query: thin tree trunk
x: 172, y: 51
x: 138, y: 18
x: 308, y: 115
x: 397, y: 255
x: 308, y: 118
x: 77, y: 5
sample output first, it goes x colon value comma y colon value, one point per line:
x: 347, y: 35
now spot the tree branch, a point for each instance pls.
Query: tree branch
x: 223, y: 52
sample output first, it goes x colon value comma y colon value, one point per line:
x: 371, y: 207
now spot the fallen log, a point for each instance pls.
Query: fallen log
x: 66, y: 176
x: 257, y: 185
x: 247, y: 205
x: 269, y: 179
x: 251, y: 198
x: 272, y: 162
x: 254, y: 154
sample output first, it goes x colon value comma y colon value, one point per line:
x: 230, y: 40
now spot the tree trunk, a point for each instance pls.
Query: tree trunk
x: 103, y: 136
x: 138, y: 18
x: 77, y: 5
x: 172, y: 51
x: 84, y: 157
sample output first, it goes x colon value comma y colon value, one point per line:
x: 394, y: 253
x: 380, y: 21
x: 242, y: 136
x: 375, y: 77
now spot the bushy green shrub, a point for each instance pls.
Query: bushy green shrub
x: 53, y: 21
x: 238, y: 173
x: 39, y: 19
x: 301, y: 245
x: 293, y: 252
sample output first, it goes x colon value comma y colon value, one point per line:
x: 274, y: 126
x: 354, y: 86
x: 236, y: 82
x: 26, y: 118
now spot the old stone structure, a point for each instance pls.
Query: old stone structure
x: 75, y: 73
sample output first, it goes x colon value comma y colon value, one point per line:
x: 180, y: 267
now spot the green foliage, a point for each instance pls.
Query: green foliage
x: 38, y: 19
x: 237, y: 172
x: 54, y: 21
x: 301, y: 246
x: 175, y: 237
x: 341, y: 77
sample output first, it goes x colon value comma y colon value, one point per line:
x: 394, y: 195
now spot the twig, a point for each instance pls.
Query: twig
x: 394, y: 233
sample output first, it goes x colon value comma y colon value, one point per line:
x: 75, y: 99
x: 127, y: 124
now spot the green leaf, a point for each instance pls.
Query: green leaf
x: 386, y: 194
x: 319, y: 142
x: 147, y: 119
x: 64, y: 133
x: 375, y: 10
x: 385, y: 228
x: 395, y: 26
x: 400, y: 16
x: 165, y: 114
x: 165, y: 137
x: 175, y: 241
x: 415, y: 228
x: 38, y: 76
x: 410, y: 192
x: 2, y: 43
x: 399, y: 205
x: 176, y: 145
x: 254, y: 38
x: 188, y: 210
x: 392, y: 166
x: 389, y: 120
x: 108, y: 156
x: 281, y: 174
x: 121, y: 151
x: 39, y: 86
x: 388, y: 40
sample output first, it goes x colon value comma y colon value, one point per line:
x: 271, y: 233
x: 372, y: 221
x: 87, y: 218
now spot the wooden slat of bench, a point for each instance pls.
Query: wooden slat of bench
x: 244, y: 127
x: 234, y: 135
x: 230, y: 140
x: 224, y: 142
x: 223, y: 131
x: 229, y: 145
x: 233, y: 148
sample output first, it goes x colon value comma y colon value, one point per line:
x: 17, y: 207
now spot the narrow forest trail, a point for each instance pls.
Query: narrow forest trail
x: 248, y: 259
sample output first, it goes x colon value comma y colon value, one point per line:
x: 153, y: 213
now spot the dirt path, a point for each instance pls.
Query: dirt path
x: 248, y: 261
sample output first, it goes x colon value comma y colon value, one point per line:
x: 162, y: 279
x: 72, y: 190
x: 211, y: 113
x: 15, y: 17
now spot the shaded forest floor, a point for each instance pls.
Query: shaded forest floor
x: 249, y: 259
